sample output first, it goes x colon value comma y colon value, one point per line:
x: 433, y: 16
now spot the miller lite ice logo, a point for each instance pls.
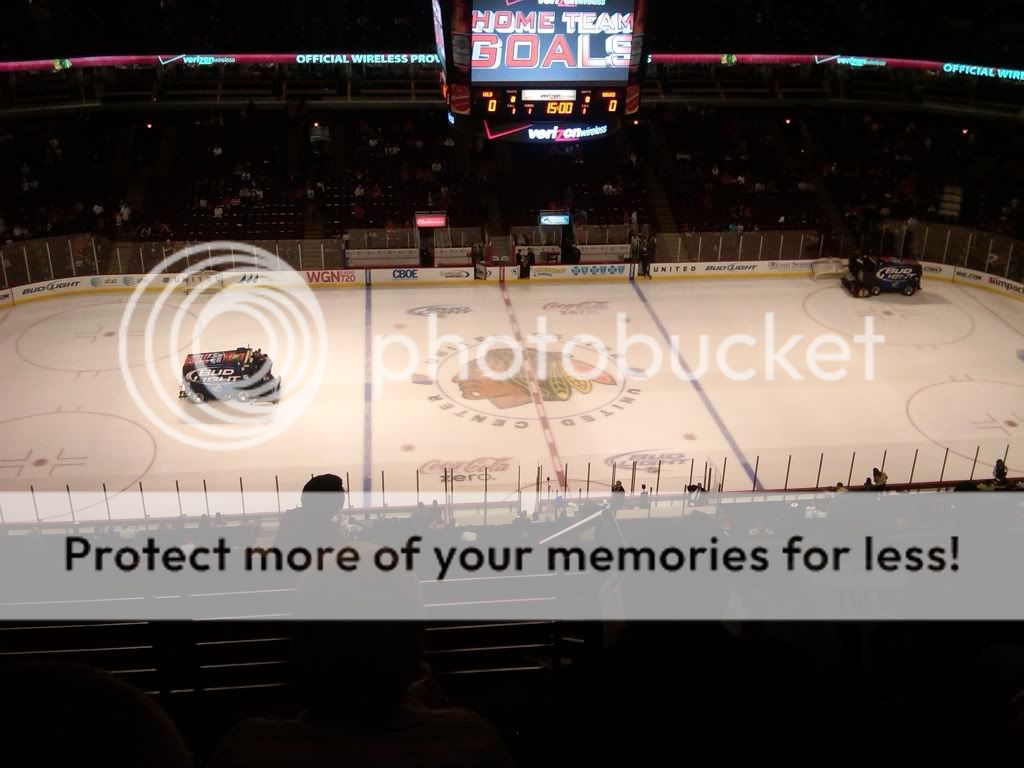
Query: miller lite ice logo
x: 581, y: 308
x: 441, y: 310
x: 648, y: 459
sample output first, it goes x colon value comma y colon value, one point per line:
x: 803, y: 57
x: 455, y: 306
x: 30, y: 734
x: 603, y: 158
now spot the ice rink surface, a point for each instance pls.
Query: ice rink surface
x: 949, y: 375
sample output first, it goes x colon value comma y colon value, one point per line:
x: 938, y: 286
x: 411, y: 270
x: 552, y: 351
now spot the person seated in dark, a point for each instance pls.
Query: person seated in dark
x: 60, y: 713
x: 363, y: 686
x: 312, y: 524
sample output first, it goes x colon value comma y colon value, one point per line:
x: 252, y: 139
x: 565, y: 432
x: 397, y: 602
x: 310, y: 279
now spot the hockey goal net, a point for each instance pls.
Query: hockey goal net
x: 828, y: 268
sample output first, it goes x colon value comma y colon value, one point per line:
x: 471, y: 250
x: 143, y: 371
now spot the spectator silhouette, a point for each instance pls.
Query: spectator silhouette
x: 355, y: 681
x: 658, y: 680
x: 618, y: 496
x: 312, y: 524
x: 57, y: 713
x: 696, y: 493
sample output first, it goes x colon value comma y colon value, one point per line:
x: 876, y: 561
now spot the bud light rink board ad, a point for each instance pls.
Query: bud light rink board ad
x: 552, y: 41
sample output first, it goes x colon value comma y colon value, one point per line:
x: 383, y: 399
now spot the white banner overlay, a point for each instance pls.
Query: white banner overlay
x: 859, y: 555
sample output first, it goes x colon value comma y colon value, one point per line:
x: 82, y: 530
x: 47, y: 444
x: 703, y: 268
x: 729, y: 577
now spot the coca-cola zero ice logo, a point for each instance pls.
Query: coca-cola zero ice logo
x: 467, y: 471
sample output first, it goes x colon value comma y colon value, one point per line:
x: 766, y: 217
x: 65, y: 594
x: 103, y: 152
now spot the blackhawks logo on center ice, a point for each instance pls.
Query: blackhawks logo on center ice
x: 488, y: 381
x: 499, y: 387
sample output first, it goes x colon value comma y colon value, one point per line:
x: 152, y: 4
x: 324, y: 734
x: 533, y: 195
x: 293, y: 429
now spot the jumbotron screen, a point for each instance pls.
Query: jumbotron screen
x: 552, y: 41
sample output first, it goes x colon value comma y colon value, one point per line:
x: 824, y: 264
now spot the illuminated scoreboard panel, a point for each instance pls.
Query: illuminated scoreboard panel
x: 548, y: 103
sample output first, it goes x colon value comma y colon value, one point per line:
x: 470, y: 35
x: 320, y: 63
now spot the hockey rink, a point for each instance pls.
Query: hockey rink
x: 950, y: 375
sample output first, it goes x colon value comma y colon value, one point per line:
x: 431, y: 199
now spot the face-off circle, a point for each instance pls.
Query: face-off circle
x: 93, y: 335
x: 922, y: 321
x: 967, y: 415
x: 50, y: 450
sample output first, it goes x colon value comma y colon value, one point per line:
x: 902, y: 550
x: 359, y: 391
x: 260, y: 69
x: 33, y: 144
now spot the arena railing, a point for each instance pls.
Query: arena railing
x: 458, y: 237
x: 61, y: 257
x: 614, y: 234
x: 51, y: 258
x: 382, y: 239
x: 745, y: 246
x: 140, y: 258
x: 654, y: 486
x: 56, y: 258
x: 992, y: 253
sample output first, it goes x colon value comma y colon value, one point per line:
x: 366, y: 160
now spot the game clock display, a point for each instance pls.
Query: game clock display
x: 547, y: 104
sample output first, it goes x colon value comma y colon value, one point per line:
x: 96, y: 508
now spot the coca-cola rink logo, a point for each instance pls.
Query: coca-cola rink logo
x: 469, y: 471
x: 580, y: 308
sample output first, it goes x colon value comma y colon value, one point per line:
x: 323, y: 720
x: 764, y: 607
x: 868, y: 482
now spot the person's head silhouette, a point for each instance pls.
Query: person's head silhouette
x: 322, y: 495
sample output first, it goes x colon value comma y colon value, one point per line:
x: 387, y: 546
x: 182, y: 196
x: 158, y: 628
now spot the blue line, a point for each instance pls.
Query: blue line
x: 733, y: 445
x: 368, y: 397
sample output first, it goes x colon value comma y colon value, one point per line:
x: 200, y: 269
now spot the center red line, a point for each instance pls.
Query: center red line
x: 538, y: 400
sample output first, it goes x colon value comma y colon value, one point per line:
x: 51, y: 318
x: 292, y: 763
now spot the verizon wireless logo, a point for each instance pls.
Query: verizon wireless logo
x: 559, y: 134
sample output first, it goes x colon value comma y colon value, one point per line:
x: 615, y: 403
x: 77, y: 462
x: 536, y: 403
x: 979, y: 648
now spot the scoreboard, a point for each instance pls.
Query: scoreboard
x: 541, y: 61
x: 548, y: 103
